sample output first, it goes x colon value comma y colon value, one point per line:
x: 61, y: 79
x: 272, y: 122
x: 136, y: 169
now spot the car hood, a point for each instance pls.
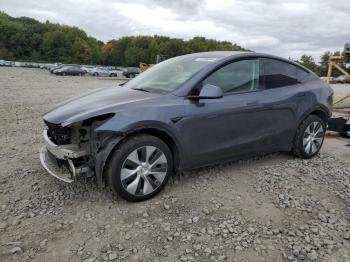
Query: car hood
x: 95, y: 103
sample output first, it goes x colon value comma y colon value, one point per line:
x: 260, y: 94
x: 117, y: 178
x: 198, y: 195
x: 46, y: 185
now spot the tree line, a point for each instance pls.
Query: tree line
x: 27, y: 39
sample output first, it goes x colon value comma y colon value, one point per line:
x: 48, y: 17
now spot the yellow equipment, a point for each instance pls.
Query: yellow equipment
x: 339, y: 124
x: 159, y: 58
x: 334, y: 63
x: 144, y: 66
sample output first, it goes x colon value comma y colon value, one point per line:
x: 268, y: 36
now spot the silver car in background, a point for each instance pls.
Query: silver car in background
x: 103, y: 71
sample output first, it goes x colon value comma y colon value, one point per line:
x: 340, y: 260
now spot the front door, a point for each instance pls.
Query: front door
x: 234, y: 125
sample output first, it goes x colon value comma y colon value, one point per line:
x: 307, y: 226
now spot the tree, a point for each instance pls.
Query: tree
x: 82, y: 52
x: 324, y: 63
x: 309, y: 62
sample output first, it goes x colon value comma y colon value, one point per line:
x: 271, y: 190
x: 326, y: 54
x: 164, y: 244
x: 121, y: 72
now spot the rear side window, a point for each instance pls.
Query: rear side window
x: 240, y: 76
x: 302, y: 75
x: 279, y: 74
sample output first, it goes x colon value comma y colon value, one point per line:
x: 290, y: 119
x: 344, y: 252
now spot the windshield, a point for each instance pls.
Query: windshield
x: 170, y: 74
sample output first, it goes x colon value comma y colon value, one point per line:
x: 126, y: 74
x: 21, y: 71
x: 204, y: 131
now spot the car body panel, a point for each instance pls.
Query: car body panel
x: 102, y: 101
x: 226, y: 127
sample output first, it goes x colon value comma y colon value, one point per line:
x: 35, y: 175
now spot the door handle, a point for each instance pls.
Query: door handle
x: 301, y: 94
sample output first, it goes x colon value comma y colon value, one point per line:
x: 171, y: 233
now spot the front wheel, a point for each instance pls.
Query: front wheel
x: 140, y: 167
x: 309, y: 137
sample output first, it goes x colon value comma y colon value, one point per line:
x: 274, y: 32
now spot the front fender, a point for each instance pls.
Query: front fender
x: 112, y: 132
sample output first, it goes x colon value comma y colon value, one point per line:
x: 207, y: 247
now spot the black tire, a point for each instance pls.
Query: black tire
x: 122, y: 152
x: 95, y: 74
x: 301, y: 134
x: 63, y: 73
x: 131, y: 76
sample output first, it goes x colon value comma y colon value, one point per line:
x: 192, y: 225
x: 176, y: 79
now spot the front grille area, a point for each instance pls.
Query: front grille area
x: 58, y: 134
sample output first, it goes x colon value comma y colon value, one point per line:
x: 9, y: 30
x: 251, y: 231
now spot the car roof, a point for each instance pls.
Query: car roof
x: 219, y: 54
x: 223, y: 55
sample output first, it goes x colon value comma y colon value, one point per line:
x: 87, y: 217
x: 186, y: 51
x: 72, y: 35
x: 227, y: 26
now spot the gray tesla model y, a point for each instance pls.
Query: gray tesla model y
x: 186, y: 112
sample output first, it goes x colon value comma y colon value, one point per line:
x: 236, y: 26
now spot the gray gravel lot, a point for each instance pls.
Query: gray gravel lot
x: 275, y: 208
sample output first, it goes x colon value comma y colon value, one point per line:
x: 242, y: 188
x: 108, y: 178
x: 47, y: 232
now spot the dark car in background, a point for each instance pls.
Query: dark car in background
x: 342, y: 79
x: 52, y: 69
x: 69, y: 70
x: 186, y: 112
x: 131, y: 72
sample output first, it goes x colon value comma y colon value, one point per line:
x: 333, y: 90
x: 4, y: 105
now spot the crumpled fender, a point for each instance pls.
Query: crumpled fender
x: 109, y: 141
x: 111, y: 132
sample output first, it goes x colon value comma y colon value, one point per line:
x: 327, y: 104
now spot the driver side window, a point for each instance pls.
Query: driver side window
x: 239, y: 76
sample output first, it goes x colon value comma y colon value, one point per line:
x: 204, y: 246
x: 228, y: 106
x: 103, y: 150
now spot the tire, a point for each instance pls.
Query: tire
x: 63, y: 73
x: 309, y: 137
x: 95, y: 74
x: 131, y: 175
x: 131, y: 76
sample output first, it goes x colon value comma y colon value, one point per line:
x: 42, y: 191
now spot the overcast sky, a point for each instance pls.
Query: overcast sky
x: 284, y: 27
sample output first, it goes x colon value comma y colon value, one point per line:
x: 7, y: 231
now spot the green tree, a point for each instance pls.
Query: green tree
x: 324, y: 60
x: 82, y: 52
x: 309, y: 62
x: 26, y: 39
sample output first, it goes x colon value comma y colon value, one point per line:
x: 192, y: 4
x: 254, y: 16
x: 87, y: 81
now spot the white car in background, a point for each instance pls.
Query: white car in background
x: 5, y: 63
x: 103, y: 71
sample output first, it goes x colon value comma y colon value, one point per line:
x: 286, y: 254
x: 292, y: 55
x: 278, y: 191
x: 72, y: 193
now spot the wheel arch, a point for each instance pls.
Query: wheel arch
x: 161, y: 133
x: 319, y: 111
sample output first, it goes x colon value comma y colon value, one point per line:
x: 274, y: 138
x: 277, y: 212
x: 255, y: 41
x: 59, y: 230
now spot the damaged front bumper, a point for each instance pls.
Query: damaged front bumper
x: 59, y: 160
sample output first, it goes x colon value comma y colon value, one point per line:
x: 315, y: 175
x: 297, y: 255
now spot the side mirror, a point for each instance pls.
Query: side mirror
x: 209, y: 92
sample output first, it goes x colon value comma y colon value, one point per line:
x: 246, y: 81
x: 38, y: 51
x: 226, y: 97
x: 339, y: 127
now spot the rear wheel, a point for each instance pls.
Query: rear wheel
x: 140, y: 167
x: 309, y: 137
x: 95, y: 74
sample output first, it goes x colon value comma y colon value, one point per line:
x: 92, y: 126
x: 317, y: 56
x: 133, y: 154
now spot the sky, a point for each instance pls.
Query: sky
x: 281, y: 27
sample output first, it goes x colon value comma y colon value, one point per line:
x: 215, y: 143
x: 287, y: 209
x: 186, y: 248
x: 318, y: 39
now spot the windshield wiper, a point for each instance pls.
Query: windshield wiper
x: 142, y: 89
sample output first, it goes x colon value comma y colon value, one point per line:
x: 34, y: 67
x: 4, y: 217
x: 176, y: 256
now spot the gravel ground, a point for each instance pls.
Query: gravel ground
x: 275, y: 208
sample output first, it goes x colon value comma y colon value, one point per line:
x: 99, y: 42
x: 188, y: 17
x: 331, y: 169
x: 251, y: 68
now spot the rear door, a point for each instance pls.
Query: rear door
x: 283, y: 96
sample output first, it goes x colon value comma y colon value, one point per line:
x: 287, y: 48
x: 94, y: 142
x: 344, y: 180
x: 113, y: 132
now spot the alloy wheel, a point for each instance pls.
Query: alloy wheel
x: 313, y: 137
x: 143, y: 170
